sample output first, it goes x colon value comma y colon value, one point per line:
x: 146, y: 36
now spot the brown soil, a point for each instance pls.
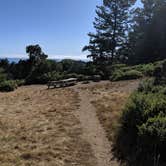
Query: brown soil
x: 61, y: 127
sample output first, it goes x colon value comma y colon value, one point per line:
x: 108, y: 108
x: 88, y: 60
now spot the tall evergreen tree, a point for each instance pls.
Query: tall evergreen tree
x: 111, y: 24
x: 147, y: 32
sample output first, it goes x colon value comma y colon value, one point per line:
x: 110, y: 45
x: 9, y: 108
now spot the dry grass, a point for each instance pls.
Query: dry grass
x: 109, y: 100
x: 38, y: 127
x: 109, y: 108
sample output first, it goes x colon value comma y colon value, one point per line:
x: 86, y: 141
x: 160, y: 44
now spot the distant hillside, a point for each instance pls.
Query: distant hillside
x: 16, y: 60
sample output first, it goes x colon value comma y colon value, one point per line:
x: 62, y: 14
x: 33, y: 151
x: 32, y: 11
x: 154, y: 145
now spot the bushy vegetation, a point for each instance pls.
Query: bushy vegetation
x: 124, y: 72
x: 127, y: 75
x: 141, y: 136
x: 160, y: 73
x: 8, y: 85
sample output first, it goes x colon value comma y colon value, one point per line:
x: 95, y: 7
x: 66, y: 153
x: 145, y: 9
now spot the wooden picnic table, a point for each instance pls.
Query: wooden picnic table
x: 62, y: 83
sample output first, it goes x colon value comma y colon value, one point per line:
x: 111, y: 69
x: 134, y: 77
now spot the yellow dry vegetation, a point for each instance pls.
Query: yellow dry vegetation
x: 109, y: 100
x: 38, y: 127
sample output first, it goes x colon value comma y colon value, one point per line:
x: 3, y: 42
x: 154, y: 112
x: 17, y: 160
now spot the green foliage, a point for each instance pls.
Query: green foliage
x: 20, y: 82
x: 8, y: 85
x: 36, y: 56
x: 111, y: 24
x: 141, y: 136
x: 4, y: 63
x: 146, y: 86
x: 146, y: 38
x: 146, y: 69
x: 122, y: 71
x: 128, y: 75
x: 160, y: 73
x: 3, y: 75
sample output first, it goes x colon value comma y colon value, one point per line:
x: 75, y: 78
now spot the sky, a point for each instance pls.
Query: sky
x: 60, y: 27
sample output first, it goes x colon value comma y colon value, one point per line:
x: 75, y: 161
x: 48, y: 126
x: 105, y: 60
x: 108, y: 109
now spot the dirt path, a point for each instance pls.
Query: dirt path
x: 93, y: 131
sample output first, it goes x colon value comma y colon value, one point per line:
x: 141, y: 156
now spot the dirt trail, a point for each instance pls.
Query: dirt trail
x: 93, y: 131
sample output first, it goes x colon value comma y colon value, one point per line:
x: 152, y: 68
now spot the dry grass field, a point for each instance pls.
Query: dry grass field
x: 61, y: 127
x: 109, y: 100
x: 38, y: 128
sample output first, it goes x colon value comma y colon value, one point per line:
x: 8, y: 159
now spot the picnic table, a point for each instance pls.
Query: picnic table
x: 62, y: 83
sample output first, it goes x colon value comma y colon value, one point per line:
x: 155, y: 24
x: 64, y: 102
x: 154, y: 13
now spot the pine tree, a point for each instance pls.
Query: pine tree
x: 148, y: 31
x: 111, y: 24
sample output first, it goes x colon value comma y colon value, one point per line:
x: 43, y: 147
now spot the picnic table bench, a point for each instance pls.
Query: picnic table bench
x: 62, y: 83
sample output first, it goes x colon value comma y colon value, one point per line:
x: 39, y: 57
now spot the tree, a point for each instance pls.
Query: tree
x: 147, y: 35
x: 4, y: 63
x: 111, y: 24
x: 37, y: 61
x: 36, y: 56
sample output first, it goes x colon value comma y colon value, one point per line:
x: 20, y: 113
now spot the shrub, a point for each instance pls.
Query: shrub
x: 145, y: 69
x: 146, y: 85
x: 128, y: 75
x: 36, y: 78
x: 160, y: 73
x: 96, y: 78
x: 19, y: 82
x: 7, y: 86
x: 3, y: 75
x: 141, y: 137
x: 148, y: 69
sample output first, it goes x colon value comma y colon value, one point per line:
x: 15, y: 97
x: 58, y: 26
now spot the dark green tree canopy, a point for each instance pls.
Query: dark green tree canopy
x: 111, y: 24
x: 36, y: 55
x: 148, y: 34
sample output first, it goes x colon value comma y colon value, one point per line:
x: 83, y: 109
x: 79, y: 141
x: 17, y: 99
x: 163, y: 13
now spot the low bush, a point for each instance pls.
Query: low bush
x: 128, y: 75
x: 3, y: 75
x: 96, y: 78
x: 7, y: 86
x: 141, y: 137
x: 120, y: 70
x: 146, y: 85
x: 146, y: 69
x: 160, y: 73
x: 37, y: 78
x: 20, y: 82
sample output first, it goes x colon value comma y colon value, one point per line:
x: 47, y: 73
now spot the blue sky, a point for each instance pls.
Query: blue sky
x: 59, y: 26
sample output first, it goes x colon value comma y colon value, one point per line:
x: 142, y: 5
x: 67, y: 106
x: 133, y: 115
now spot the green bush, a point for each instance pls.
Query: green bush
x: 146, y: 85
x: 128, y: 75
x: 160, y: 73
x: 148, y: 69
x: 123, y: 72
x: 3, y: 75
x: 37, y: 78
x: 7, y: 86
x: 141, y: 137
x: 20, y: 82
